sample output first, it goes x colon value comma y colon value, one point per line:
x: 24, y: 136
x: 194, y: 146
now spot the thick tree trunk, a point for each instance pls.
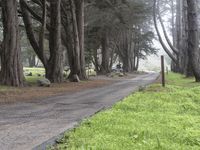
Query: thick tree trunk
x: 188, y: 69
x: 11, y: 66
x: 75, y: 69
x: 80, y: 24
x: 126, y: 59
x: 187, y: 62
x: 126, y: 65
x: 73, y: 23
x: 54, y: 70
x: 53, y: 64
x: 179, y: 24
x: 181, y: 35
x: 42, y: 30
x: 193, y: 39
x: 67, y: 38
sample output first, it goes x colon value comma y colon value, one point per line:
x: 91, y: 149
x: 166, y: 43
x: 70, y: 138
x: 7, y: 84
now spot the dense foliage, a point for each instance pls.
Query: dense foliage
x: 77, y: 34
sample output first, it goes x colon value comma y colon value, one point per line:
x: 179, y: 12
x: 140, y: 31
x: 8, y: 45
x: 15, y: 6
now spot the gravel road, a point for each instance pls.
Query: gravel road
x: 26, y: 125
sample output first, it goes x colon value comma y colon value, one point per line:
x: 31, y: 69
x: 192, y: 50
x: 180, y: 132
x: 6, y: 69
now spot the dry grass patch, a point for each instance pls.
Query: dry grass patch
x: 10, y: 95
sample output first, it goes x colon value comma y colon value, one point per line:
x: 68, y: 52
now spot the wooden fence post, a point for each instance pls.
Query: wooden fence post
x: 163, y: 70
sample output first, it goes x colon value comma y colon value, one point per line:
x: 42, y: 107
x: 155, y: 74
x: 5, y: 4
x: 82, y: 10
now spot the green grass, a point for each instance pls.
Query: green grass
x: 155, y: 119
x: 91, y: 72
x: 39, y: 73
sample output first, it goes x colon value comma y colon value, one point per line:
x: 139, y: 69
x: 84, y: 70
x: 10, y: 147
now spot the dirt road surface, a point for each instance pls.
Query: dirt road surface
x: 26, y: 125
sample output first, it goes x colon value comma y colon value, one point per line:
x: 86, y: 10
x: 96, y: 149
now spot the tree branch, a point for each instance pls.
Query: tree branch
x: 174, y: 49
x: 30, y: 33
x: 159, y: 35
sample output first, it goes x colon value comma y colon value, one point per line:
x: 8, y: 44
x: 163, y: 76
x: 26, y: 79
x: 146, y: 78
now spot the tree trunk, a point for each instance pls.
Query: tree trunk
x: 67, y: 38
x: 30, y: 33
x: 137, y: 64
x: 187, y: 62
x: 126, y: 65
x: 173, y: 23
x: 75, y: 69
x: 174, y: 58
x: 31, y: 61
x: 193, y: 39
x: 54, y: 70
x: 80, y: 24
x: 96, y: 61
x: 53, y: 64
x: 105, y: 55
x: 11, y: 66
x: 174, y: 66
x: 73, y: 24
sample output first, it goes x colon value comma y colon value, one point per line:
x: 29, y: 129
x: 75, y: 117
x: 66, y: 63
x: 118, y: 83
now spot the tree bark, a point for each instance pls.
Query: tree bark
x: 96, y: 61
x: 75, y: 69
x: 193, y: 39
x: 105, y: 54
x: 187, y: 62
x: 179, y: 36
x: 30, y: 33
x: 80, y: 24
x: 11, y: 66
x: 54, y: 64
x: 54, y: 70
x: 173, y: 23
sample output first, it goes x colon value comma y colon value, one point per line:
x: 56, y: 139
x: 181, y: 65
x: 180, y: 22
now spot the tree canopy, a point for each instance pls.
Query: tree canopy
x: 81, y: 33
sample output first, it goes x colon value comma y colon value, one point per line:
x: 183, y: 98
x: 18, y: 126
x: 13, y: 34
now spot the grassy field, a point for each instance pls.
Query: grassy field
x: 154, y: 119
x: 38, y: 73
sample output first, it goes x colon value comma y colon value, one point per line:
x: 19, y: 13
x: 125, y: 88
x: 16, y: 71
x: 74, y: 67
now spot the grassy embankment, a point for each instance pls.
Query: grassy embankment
x: 156, y: 118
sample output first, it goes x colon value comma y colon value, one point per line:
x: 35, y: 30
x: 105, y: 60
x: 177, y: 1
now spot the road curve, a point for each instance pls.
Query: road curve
x: 26, y: 125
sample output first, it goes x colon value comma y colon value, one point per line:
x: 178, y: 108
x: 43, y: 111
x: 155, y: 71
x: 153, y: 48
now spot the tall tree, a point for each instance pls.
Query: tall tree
x: 54, y: 63
x: 73, y: 39
x: 174, y: 58
x: 11, y: 66
x: 180, y: 62
x: 54, y: 70
x: 193, y: 38
x: 80, y: 5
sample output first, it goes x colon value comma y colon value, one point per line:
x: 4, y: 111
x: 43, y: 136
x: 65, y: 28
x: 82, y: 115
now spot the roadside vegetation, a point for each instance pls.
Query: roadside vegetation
x: 155, y: 118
